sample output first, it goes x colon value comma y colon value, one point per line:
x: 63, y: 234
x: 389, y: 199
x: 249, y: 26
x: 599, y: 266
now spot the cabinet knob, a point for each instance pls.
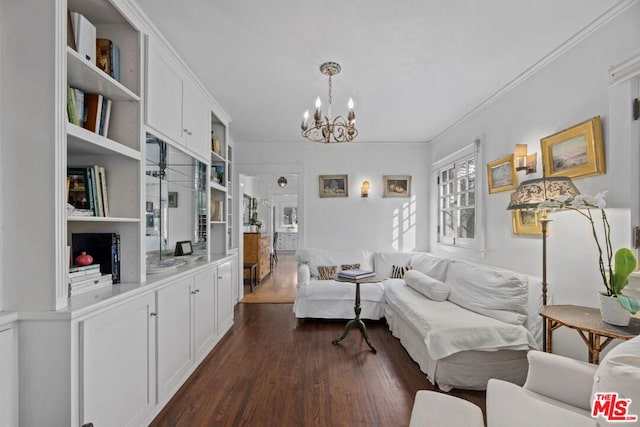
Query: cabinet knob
x: 219, y: 277
x: 187, y: 131
x: 153, y: 314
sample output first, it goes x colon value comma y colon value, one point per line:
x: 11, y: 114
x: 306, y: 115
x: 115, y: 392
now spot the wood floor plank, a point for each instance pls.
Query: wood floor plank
x: 274, y: 370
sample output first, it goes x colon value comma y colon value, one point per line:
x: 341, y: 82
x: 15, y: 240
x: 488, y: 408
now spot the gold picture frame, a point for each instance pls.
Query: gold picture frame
x: 334, y: 186
x: 575, y: 152
x: 501, y: 174
x: 526, y: 222
x: 396, y: 186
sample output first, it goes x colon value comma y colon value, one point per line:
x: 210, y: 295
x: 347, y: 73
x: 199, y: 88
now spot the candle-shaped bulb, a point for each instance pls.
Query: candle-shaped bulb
x: 350, y: 104
x: 306, y: 115
x: 318, y: 103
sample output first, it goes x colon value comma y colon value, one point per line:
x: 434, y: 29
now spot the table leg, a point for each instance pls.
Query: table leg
x: 357, y: 322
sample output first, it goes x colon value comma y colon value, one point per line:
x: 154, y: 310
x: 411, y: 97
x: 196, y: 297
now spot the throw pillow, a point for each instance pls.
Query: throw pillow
x: 397, y: 271
x: 349, y: 267
x: 431, y: 288
x: 619, y: 372
x: 326, y: 272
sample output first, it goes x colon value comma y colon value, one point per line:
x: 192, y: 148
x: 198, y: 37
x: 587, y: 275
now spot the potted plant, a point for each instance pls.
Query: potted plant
x: 254, y: 221
x: 616, y: 307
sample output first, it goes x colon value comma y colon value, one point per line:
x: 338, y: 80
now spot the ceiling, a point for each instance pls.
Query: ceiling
x: 413, y: 67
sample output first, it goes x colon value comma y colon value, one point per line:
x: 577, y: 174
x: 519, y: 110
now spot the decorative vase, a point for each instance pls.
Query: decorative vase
x: 612, y: 312
x: 84, y: 259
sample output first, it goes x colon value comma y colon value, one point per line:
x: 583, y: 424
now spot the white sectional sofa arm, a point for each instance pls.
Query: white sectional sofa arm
x: 509, y: 405
x: 560, y: 378
x: 304, y: 275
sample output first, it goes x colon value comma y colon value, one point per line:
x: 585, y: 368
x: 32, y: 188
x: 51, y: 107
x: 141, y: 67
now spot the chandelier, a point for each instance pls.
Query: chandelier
x: 324, y: 128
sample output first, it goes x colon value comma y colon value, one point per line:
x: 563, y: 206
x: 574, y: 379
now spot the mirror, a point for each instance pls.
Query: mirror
x: 176, y: 200
x: 289, y: 216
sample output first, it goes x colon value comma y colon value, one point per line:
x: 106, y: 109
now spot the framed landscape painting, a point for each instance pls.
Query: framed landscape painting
x: 334, y: 186
x: 396, y: 185
x: 501, y: 174
x: 575, y: 152
x: 526, y: 223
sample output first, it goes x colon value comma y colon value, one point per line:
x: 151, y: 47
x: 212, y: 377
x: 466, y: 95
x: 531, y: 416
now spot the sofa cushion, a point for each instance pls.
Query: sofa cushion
x: 316, y: 257
x: 619, y: 372
x: 430, y: 265
x: 493, y: 292
x: 431, y: 288
x: 398, y: 271
x: 344, y: 267
x: 384, y: 262
x: 326, y: 272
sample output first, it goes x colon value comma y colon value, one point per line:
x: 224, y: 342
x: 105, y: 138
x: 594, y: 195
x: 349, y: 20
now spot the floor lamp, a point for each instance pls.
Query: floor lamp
x: 529, y: 196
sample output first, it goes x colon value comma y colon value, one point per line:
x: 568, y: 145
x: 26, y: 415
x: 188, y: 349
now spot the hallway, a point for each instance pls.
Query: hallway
x: 279, y: 286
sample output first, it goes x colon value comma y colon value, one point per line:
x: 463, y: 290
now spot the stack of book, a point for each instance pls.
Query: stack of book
x: 108, y: 57
x: 356, y: 274
x: 87, y: 278
x: 91, y: 111
x: 87, y: 191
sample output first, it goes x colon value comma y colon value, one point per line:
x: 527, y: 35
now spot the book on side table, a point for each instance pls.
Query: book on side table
x: 355, y: 274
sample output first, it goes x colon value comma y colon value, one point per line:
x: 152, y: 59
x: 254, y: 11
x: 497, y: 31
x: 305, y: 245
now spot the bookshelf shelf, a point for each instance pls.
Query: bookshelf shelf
x: 83, y: 75
x: 217, y: 222
x: 102, y: 219
x: 81, y: 141
x: 216, y: 186
x: 217, y: 158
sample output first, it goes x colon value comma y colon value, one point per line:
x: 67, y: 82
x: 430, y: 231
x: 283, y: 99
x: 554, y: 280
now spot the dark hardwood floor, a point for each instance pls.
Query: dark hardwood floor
x: 274, y: 370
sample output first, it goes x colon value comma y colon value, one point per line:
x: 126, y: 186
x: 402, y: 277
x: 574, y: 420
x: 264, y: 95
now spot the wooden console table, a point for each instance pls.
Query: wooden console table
x: 587, y: 321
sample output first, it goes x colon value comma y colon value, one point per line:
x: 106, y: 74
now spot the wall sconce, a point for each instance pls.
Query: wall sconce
x: 364, y: 190
x: 524, y: 161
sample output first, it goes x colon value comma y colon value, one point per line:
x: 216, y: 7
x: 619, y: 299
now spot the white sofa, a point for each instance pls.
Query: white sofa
x: 482, y: 330
x: 559, y: 392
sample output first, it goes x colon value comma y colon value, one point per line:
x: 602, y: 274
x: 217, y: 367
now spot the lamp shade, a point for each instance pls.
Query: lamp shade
x: 535, y: 191
x: 282, y: 182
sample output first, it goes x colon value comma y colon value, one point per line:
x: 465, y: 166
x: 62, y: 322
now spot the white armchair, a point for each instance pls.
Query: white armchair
x: 559, y: 392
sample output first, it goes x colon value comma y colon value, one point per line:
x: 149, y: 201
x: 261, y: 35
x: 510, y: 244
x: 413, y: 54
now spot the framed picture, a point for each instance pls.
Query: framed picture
x: 526, y: 223
x: 246, y: 209
x: 172, y: 200
x: 575, y: 152
x: 502, y: 175
x: 396, y: 185
x: 183, y: 248
x: 334, y: 186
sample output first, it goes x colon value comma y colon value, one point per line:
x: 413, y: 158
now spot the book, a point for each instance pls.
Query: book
x: 80, y: 110
x: 71, y: 40
x: 72, y: 112
x: 83, y: 268
x: 86, y: 277
x: 108, y: 57
x: 105, y: 117
x: 93, y: 105
x: 84, y: 33
x: 356, y: 274
x: 103, y: 247
x: 103, y: 186
x: 97, y: 188
x: 79, y: 194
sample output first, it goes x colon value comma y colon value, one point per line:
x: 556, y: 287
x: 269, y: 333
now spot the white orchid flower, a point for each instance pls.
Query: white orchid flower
x: 600, y: 201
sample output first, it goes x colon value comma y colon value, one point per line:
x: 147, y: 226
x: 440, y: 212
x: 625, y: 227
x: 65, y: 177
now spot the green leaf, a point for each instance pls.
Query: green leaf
x: 629, y: 303
x: 625, y: 264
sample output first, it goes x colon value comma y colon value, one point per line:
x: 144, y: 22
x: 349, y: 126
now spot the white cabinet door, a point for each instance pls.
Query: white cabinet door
x: 196, y: 120
x: 204, y: 311
x: 164, y: 93
x: 8, y: 378
x: 174, y: 334
x: 117, y: 364
x: 225, y: 297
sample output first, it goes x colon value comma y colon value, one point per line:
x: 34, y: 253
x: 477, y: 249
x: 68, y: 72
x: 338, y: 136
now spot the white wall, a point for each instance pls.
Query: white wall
x: 375, y: 222
x: 572, y: 88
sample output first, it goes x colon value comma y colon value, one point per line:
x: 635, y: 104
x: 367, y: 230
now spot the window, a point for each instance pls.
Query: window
x: 457, y: 202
